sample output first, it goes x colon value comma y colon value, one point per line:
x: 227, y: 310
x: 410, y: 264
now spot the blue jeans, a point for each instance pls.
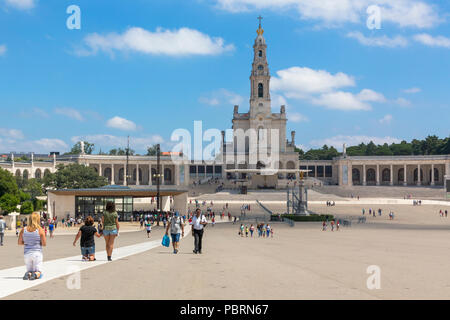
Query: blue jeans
x: 87, y: 251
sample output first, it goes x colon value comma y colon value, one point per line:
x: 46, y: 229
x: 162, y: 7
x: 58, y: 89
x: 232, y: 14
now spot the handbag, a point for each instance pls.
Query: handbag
x: 165, y: 241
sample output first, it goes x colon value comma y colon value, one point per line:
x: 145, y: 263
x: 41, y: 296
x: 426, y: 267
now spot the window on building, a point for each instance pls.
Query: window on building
x: 260, y: 90
x: 328, y: 171
x: 260, y: 53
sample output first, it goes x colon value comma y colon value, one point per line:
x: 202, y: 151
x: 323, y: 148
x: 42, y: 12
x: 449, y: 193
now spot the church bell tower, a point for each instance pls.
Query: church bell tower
x: 260, y: 77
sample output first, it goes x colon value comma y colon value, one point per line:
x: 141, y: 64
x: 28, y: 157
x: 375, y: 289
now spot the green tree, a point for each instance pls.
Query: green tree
x: 8, y: 183
x: 34, y: 188
x: 76, y: 149
x: 401, y: 149
x: 153, y: 150
x: 23, y: 196
x: 38, y: 204
x: 9, y: 202
x: 26, y: 207
x: 74, y: 176
x: 371, y: 149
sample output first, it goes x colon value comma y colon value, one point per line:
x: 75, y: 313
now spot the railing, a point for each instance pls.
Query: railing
x: 270, y: 213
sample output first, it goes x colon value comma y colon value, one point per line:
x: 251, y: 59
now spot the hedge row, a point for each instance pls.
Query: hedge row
x: 313, y: 217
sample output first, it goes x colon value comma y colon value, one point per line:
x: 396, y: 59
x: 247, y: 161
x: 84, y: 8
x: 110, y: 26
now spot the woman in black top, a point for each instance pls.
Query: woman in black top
x: 87, y: 242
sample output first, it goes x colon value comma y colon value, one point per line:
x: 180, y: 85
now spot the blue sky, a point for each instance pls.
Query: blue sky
x: 147, y: 67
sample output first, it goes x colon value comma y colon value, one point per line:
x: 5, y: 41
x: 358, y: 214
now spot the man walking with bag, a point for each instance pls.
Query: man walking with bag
x: 2, y: 230
x: 198, y: 223
x: 176, y: 227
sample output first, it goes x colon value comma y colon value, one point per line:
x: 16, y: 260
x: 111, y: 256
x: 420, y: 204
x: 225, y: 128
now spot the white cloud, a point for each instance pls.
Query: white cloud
x: 11, y: 133
x: 12, y: 140
x: 21, y: 4
x: 3, y: 49
x: 221, y: 97
x: 338, y: 141
x: 412, y: 90
x: 181, y: 42
x: 340, y: 100
x: 298, y: 82
x: 387, y: 119
x: 429, y: 40
x: 51, y: 144
x: 402, y: 102
x: 121, y: 124
x: 383, y: 41
x: 404, y: 13
x: 69, y: 112
x: 34, y: 112
x: 210, y: 101
x: 277, y: 101
x: 320, y: 87
x: 297, y: 117
x: 370, y: 95
x: 106, y: 141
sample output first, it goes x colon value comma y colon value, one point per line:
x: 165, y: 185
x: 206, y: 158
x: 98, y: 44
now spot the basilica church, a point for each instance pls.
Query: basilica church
x: 263, y: 132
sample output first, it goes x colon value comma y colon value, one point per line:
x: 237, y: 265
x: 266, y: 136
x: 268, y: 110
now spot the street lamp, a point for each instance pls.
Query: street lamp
x: 158, y: 175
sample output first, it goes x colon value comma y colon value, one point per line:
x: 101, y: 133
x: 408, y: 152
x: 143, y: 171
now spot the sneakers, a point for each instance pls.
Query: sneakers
x: 109, y: 258
x: 27, y: 276
x: 34, y: 276
x: 194, y: 251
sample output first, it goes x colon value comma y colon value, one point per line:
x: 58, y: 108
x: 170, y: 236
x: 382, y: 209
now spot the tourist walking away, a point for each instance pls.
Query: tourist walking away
x: 332, y: 225
x: 51, y: 227
x: 33, y: 239
x: 324, y: 226
x: 176, y: 227
x: 252, y: 228
x: 2, y: 230
x: 198, y: 223
x: 268, y: 230
x: 87, y: 242
x: 110, y: 222
x: 241, y: 230
x: 148, y: 227
x: 246, y: 231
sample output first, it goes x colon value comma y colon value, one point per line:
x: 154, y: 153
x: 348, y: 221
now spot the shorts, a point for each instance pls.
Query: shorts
x: 33, y: 261
x: 148, y: 231
x: 110, y: 232
x: 175, y: 237
x: 87, y: 251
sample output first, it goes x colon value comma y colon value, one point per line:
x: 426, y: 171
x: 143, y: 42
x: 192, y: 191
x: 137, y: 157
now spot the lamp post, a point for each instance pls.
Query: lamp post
x: 157, y: 175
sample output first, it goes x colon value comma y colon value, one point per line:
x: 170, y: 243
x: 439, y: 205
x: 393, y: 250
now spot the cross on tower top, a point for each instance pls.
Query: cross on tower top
x: 260, y: 18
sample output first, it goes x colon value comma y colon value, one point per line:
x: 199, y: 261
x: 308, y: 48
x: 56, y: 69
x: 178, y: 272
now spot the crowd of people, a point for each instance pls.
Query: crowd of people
x: 335, y: 223
x: 373, y: 213
x: 264, y: 230
x: 33, y: 234
x: 331, y: 203
x: 443, y: 213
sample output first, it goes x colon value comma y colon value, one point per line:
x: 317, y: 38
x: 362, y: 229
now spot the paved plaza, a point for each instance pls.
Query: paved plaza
x: 300, y: 262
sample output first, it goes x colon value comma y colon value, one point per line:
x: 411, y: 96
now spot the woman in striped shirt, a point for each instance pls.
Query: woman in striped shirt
x: 33, y: 239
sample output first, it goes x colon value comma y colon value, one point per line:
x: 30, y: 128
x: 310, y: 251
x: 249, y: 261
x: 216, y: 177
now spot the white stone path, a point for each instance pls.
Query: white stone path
x: 11, y: 279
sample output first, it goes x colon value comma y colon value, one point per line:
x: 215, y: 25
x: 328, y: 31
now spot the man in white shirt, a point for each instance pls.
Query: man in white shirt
x: 2, y: 230
x: 198, y: 223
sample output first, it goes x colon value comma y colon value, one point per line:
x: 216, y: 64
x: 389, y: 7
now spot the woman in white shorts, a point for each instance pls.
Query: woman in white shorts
x: 33, y: 238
